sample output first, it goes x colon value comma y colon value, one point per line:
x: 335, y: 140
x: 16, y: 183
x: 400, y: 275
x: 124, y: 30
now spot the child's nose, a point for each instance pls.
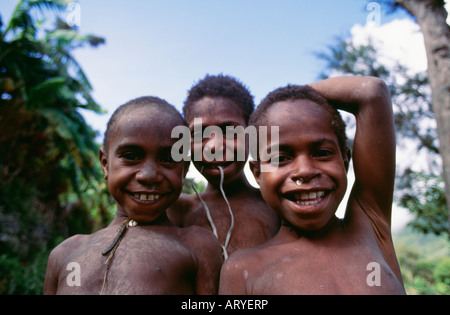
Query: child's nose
x: 148, y: 174
x: 305, y: 168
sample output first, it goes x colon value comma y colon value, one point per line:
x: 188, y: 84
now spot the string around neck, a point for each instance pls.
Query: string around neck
x: 208, y: 213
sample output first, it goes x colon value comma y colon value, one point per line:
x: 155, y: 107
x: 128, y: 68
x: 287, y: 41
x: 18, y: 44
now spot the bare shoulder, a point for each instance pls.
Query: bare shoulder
x: 251, y: 258
x: 241, y: 259
x: 237, y: 270
x: 65, y: 248
x: 196, y: 236
x: 68, y: 246
x: 57, y: 258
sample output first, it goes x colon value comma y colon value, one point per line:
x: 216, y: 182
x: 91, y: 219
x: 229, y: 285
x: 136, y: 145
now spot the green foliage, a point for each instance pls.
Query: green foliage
x: 51, y: 184
x: 200, y: 186
x: 424, y: 261
x: 347, y: 58
x: 19, y: 278
x: 426, y: 202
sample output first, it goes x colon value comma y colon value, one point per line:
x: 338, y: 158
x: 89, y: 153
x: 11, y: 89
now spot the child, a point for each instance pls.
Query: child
x: 233, y: 210
x: 141, y: 251
x: 315, y: 252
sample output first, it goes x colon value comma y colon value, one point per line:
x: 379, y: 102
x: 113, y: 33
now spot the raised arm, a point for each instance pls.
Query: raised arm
x: 369, y: 99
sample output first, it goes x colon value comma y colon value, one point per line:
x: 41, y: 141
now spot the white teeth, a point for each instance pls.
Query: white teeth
x: 307, y: 203
x: 145, y: 197
x: 308, y: 196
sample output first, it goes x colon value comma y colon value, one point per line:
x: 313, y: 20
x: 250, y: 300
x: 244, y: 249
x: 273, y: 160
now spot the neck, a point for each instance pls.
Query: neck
x: 162, y: 220
x: 237, y: 185
x: 315, y: 234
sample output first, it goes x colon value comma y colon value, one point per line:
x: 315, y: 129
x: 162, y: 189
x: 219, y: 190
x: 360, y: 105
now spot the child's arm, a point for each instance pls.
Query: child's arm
x: 209, y: 259
x: 55, y: 262
x: 51, y: 276
x: 232, y: 281
x: 369, y: 99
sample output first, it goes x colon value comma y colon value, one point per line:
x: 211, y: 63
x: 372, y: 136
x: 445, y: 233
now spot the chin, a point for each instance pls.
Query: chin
x: 211, y: 171
x: 314, y: 227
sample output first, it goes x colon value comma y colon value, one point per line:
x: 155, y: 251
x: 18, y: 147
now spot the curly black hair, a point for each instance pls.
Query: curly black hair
x: 145, y: 101
x: 224, y: 86
x: 296, y: 92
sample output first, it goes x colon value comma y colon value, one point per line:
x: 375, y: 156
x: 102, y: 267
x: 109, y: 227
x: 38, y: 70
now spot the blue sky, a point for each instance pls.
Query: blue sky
x: 162, y: 48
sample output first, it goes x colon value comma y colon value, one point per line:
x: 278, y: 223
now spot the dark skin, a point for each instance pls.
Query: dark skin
x: 254, y: 221
x: 314, y: 252
x: 154, y: 257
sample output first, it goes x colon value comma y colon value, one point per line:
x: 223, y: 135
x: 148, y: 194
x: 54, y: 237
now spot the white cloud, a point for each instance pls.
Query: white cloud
x: 398, y: 41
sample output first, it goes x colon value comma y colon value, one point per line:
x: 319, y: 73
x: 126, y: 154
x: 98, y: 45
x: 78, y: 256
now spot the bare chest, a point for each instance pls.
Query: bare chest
x: 326, y: 270
x: 143, y: 263
x: 249, y: 222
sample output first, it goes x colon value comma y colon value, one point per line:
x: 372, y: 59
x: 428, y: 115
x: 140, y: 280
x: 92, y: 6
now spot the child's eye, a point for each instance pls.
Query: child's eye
x: 167, y: 159
x: 323, y: 153
x: 130, y: 156
x: 279, y: 160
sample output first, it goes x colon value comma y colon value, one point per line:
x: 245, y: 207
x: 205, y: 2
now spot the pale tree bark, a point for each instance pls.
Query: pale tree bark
x: 431, y: 17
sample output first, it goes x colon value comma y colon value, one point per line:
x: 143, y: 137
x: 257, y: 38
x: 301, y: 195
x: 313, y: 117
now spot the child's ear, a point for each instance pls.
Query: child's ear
x: 104, y: 162
x: 256, y: 170
x: 347, y: 158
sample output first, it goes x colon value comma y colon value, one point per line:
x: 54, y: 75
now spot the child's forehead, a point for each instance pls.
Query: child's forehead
x: 148, y: 111
x: 146, y: 123
x: 215, y: 104
x: 296, y: 112
x: 151, y: 116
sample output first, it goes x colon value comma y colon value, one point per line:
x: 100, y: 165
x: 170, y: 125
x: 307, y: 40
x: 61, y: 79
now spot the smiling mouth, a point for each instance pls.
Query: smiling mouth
x: 306, y: 198
x: 146, y: 196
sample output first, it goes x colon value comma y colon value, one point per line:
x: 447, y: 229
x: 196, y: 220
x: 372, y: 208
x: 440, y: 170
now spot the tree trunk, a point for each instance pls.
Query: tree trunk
x: 431, y: 17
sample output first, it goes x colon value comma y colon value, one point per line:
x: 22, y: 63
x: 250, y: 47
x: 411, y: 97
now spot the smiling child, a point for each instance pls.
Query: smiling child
x: 305, y: 181
x: 230, y: 206
x: 141, y: 251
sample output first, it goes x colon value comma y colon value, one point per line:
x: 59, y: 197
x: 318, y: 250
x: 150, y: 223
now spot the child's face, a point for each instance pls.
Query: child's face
x: 221, y: 112
x: 309, y: 151
x: 142, y: 176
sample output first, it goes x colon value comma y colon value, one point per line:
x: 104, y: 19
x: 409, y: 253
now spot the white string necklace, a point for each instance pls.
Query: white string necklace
x: 208, y: 213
